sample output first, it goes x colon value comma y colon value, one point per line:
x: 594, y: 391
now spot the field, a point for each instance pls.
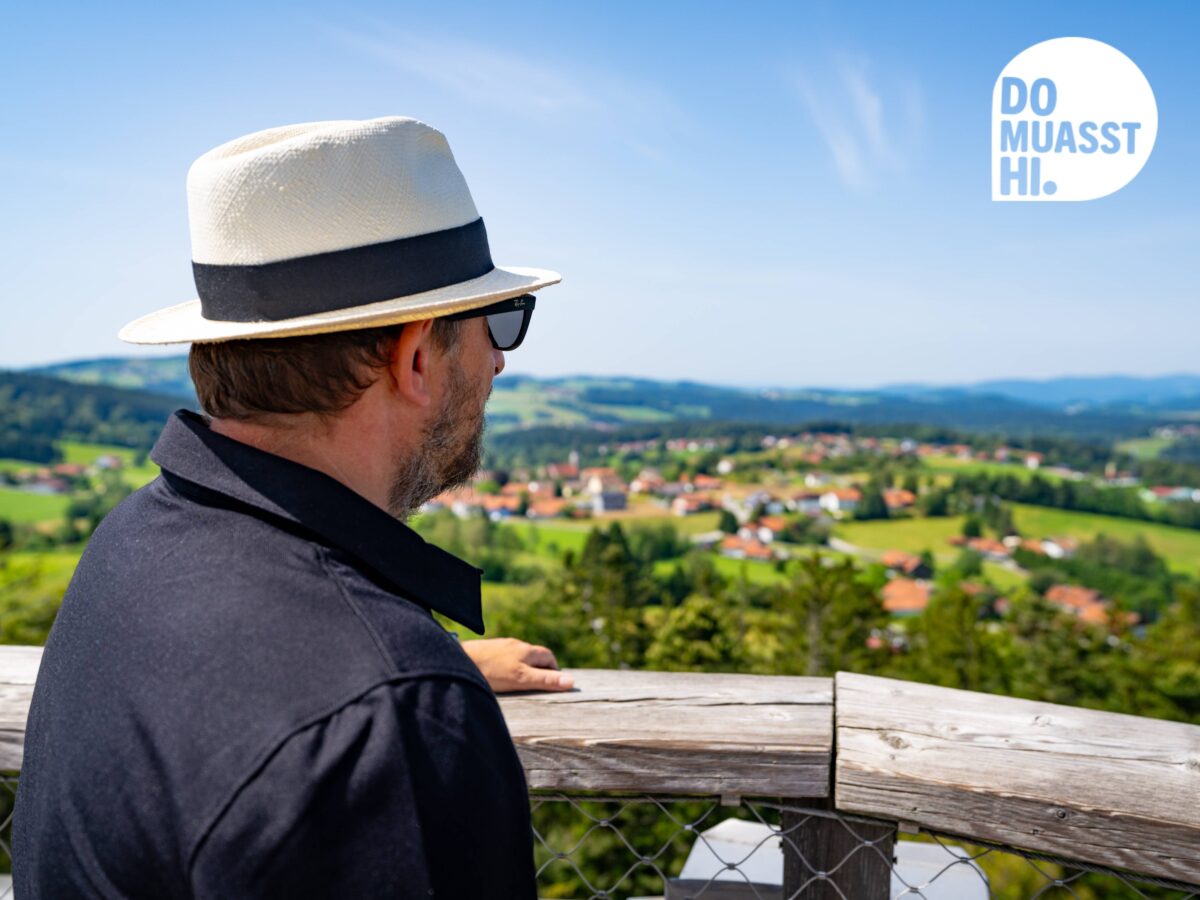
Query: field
x: 16, y: 465
x: 551, y: 539
x: 909, y: 535
x: 21, y: 507
x: 86, y: 454
x: 1145, y: 448
x: 571, y: 533
x: 532, y: 408
x: 753, y: 571
x: 24, y: 507
x: 1179, y: 546
x: 54, y: 566
x: 546, y: 541
x: 555, y: 537
x: 951, y: 465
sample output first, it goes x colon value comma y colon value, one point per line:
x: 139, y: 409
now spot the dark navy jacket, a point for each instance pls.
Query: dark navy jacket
x: 246, y: 695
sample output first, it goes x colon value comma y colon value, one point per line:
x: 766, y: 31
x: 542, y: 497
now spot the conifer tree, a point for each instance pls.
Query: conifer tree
x: 832, y: 613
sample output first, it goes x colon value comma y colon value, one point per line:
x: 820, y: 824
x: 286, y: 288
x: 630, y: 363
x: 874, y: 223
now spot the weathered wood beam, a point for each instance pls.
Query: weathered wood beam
x: 1114, y: 790
x: 18, y: 671
x: 741, y: 735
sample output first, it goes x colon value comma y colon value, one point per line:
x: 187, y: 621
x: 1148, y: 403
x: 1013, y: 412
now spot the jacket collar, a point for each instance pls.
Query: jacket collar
x: 323, y: 506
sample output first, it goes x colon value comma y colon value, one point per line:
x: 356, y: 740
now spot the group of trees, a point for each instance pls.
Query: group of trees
x: 93, y: 498
x: 1132, y: 574
x: 36, y: 412
x: 643, y: 598
x: 29, y: 599
x: 1081, y: 496
x: 609, y: 605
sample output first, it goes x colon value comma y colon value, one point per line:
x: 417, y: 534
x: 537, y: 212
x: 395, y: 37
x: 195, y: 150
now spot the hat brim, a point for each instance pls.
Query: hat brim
x: 184, y: 324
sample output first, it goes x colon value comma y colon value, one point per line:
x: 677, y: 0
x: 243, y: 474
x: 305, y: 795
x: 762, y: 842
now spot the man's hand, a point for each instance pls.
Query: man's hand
x: 512, y: 665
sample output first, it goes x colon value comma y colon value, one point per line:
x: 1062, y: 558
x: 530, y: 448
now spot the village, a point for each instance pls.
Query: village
x: 795, y: 492
x: 59, y: 478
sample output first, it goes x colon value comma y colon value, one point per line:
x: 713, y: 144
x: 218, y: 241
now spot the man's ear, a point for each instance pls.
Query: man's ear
x: 412, y: 358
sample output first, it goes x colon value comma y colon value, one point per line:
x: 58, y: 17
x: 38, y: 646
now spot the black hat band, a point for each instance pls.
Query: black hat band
x: 343, y: 279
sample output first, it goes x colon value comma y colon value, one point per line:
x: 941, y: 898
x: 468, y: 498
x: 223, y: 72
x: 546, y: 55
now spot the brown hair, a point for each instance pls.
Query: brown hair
x: 318, y: 373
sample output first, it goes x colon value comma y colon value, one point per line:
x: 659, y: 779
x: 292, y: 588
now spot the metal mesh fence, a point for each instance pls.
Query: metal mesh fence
x: 678, y: 849
x: 625, y: 847
x: 8, y: 796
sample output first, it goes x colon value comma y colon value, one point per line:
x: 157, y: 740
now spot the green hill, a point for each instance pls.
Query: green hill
x: 158, y: 375
x: 36, y: 412
x: 520, y: 401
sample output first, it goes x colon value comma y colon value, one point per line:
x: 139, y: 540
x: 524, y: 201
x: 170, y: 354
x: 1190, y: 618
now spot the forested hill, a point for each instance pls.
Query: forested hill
x: 36, y: 411
x: 156, y: 374
x: 526, y: 401
x: 520, y: 402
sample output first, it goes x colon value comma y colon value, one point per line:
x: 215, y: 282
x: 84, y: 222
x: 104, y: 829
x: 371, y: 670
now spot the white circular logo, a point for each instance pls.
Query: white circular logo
x: 1072, y: 119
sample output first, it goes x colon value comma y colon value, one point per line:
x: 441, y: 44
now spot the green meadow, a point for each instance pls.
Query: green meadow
x: 23, y: 507
x: 910, y: 535
x: 949, y: 466
x: 1180, y: 547
x: 86, y: 454
x: 54, y: 567
x: 1145, y: 448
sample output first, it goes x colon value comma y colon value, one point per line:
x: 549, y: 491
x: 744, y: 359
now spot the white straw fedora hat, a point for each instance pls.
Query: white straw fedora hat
x: 330, y: 226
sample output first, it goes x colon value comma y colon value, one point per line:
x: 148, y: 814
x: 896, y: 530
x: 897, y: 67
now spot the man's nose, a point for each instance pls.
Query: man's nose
x: 498, y: 361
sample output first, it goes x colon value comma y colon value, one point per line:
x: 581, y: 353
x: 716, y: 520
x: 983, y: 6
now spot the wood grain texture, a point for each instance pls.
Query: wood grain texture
x: 18, y: 671
x: 680, y: 733
x: 1114, y: 790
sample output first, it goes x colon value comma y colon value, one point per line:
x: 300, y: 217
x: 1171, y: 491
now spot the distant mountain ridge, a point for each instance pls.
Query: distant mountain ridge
x: 155, y: 374
x: 1161, y: 391
x: 1101, y: 406
x: 169, y: 375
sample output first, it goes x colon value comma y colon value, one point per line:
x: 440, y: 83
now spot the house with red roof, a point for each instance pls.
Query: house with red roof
x: 552, y: 508
x: 841, y: 501
x: 906, y: 597
x: 737, y: 547
x: 990, y: 548
x: 898, y: 498
x: 690, y: 504
x: 807, y: 502
x: 906, y: 564
x: 764, y: 530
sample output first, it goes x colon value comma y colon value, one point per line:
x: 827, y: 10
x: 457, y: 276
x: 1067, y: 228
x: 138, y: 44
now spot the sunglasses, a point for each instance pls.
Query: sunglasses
x: 507, y: 320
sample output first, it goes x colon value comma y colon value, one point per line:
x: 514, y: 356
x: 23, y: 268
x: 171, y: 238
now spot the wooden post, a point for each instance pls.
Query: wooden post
x: 814, y: 844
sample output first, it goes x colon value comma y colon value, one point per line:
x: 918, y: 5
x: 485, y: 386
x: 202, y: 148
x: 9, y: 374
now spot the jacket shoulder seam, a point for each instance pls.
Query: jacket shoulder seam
x: 273, y: 746
x: 356, y: 610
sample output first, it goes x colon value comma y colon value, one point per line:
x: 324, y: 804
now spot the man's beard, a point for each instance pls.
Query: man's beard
x: 450, y: 451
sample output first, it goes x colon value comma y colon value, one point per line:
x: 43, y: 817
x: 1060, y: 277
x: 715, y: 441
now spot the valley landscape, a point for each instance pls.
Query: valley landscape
x: 1038, y: 540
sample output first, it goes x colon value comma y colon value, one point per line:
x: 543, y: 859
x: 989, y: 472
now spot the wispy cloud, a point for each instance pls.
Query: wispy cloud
x: 516, y: 83
x: 869, y: 129
x: 475, y: 73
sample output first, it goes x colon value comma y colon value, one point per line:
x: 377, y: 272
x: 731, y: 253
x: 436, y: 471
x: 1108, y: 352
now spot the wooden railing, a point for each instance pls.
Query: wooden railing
x: 1110, y: 790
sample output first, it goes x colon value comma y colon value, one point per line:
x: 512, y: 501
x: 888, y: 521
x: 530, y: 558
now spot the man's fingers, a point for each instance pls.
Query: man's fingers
x: 540, y: 657
x: 546, y: 679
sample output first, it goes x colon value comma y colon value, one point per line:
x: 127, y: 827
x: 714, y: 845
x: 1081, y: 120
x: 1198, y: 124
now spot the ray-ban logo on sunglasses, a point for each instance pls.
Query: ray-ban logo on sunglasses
x: 1072, y: 119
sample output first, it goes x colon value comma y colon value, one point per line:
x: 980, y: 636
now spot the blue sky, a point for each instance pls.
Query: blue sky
x: 759, y: 194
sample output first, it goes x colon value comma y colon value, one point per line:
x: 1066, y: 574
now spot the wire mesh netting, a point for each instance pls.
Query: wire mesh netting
x: 8, y: 796
x: 624, y: 847
x: 678, y: 848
